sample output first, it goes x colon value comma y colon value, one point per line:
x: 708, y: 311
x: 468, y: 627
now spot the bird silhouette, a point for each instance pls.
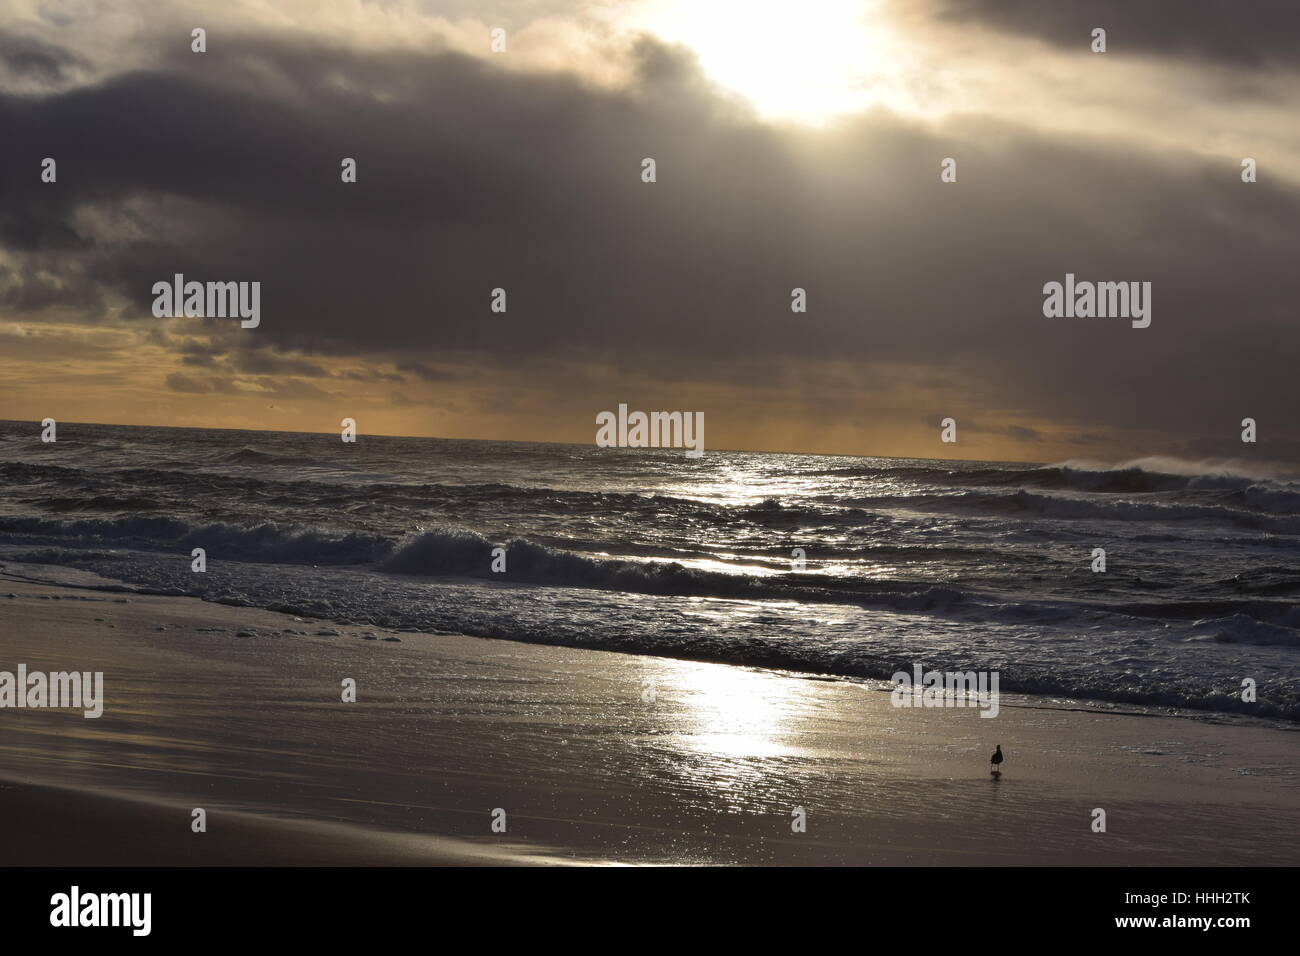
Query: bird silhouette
x: 996, y: 759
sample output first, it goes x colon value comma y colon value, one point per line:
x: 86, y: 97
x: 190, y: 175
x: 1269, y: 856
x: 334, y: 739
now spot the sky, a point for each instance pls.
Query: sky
x: 796, y: 145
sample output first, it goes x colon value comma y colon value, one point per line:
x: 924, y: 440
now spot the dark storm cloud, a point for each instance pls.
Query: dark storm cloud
x: 30, y: 58
x: 425, y: 372
x: 226, y: 167
x: 267, y: 362
x: 1253, y: 34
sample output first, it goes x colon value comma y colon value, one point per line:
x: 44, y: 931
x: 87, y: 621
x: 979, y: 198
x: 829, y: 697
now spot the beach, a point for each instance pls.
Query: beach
x: 585, y: 756
x: 650, y: 434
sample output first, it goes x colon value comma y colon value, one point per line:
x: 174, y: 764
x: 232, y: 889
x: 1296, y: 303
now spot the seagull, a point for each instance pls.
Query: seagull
x: 996, y: 759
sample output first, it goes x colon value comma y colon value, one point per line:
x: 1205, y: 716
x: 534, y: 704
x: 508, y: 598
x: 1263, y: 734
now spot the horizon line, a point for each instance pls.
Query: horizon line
x: 530, y: 441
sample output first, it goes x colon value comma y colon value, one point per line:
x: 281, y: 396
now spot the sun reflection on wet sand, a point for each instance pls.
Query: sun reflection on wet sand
x: 729, y: 738
x: 735, y: 712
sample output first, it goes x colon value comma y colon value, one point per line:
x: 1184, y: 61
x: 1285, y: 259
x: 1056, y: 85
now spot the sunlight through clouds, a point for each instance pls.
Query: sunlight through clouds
x: 837, y: 57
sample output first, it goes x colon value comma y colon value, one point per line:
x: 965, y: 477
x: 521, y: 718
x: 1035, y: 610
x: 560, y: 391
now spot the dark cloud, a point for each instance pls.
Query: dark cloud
x: 1254, y: 34
x: 425, y: 372
x: 226, y: 167
x: 267, y: 362
x: 293, y: 388
x: 183, y: 383
x: 1021, y: 433
x: 368, y: 375
x: 28, y: 57
x: 268, y: 386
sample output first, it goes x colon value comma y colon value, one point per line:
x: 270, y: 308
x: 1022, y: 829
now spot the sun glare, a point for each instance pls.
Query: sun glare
x: 808, y: 61
x: 735, y: 713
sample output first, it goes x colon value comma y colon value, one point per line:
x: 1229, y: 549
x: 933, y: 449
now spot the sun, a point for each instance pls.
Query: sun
x: 806, y: 60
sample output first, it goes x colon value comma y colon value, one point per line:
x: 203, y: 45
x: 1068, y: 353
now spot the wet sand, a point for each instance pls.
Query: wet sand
x: 594, y: 757
x: 56, y: 826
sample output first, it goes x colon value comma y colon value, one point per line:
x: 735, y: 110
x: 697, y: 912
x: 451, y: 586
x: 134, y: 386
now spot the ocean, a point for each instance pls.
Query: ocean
x: 955, y: 565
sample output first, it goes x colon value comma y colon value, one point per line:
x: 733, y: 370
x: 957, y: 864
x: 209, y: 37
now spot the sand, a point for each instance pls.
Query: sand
x: 594, y: 757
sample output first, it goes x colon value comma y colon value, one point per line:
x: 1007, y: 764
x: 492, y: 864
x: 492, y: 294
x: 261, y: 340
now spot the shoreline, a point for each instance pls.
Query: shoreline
x: 317, y: 601
x: 595, y: 756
